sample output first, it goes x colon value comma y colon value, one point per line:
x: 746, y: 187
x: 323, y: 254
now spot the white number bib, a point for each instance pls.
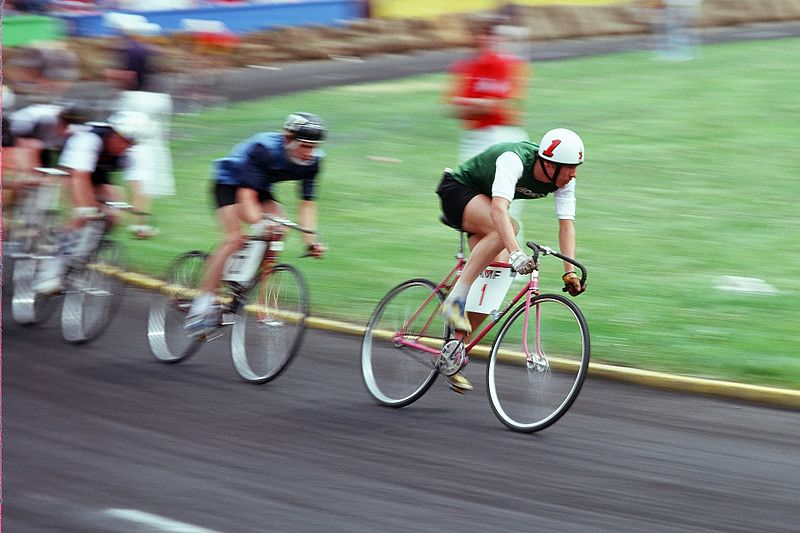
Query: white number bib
x: 242, y: 265
x: 489, y: 290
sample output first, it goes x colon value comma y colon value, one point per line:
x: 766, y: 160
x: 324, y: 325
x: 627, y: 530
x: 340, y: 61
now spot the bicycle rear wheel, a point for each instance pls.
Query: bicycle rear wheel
x: 532, y: 384
x: 166, y: 336
x: 31, y: 255
x: 402, y: 343
x: 93, y: 294
x: 269, y: 326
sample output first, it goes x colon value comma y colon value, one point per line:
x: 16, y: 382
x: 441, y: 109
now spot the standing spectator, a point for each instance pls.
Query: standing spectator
x: 29, y: 6
x: 44, y: 71
x: 487, y: 94
x: 149, y: 172
x: 674, y: 26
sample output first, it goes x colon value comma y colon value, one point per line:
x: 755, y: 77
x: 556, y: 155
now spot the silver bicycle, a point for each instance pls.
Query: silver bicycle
x: 89, y: 290
x: 264, y: 301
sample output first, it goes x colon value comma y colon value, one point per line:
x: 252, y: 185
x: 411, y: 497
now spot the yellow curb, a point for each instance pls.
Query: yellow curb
x: 726, y: 389
x: 141, y: 281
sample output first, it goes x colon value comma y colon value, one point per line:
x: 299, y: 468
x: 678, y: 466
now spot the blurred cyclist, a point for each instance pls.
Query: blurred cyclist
x: 243, y: 183
x: 90, y: 156
x: 475, y: 198
x: 11, y: 160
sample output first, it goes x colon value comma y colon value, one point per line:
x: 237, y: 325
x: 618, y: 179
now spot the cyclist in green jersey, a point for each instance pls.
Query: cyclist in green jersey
x: 475, y: 199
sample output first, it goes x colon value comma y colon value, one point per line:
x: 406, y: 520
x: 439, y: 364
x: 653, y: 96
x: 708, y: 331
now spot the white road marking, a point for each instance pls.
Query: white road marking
x: 159, y: 523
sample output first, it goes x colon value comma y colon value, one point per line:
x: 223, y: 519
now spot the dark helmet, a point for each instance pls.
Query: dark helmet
x: 305, y: 127
x: 73, y: 114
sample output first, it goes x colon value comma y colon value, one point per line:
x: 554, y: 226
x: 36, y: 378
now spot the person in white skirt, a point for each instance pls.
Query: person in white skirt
x: 149, y: 173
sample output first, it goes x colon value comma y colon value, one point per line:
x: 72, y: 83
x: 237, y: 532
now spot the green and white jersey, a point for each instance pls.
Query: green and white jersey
x: 506, y: 170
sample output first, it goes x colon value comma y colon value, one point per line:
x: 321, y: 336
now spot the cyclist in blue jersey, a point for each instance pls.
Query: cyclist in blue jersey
x: 242, y: 189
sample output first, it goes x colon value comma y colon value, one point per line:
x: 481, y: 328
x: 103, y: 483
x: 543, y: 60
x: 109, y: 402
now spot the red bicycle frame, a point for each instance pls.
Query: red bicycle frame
x: 529, y: 291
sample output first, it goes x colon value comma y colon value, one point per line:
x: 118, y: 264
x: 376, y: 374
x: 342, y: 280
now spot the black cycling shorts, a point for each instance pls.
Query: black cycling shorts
x: 226, y: 194
x: 8, y: 137
x: 454, y: 197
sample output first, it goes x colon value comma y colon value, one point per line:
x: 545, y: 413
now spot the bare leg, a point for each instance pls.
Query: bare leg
x: 485, y: 242
x: 232, y: 241
x: 140, y: 201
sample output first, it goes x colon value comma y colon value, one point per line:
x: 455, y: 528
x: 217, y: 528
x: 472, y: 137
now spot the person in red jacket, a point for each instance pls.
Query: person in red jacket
x: 487, y: 94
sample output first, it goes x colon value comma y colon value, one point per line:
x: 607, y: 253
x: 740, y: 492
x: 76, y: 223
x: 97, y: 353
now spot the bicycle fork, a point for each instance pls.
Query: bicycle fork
x: 535, y: 361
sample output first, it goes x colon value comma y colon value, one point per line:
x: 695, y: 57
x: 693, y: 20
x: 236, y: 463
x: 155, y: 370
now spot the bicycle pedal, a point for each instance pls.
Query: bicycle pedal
x: 452, y: 357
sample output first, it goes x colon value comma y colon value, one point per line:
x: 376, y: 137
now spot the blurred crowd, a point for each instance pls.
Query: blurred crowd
x: 68, y: 6
x: 43, y: 107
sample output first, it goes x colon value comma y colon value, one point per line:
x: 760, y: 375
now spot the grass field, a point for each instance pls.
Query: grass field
x: 691, y: 176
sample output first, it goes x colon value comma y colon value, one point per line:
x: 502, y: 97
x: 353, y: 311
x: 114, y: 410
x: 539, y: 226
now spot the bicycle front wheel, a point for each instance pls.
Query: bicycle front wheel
x: 166, y: 336
x: 402, y: 342
x: 537, y: 366
x: 27, y: 306
x: 268, y: 328
x: 93, y: 294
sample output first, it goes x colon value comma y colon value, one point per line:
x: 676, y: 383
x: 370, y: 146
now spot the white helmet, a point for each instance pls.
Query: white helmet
x: 135, y: 126
x: 562, y: 146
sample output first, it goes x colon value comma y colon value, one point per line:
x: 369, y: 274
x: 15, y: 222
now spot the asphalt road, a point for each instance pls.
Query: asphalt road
x: 102, y: 437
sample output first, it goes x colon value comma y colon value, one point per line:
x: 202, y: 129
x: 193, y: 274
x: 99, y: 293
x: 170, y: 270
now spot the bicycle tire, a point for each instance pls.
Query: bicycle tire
x: 93, y: 293
x: 397, y: 375
x: 166, y: 336
x: 531, y: 397
x: 27, y: 306
x: 269, y: 326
